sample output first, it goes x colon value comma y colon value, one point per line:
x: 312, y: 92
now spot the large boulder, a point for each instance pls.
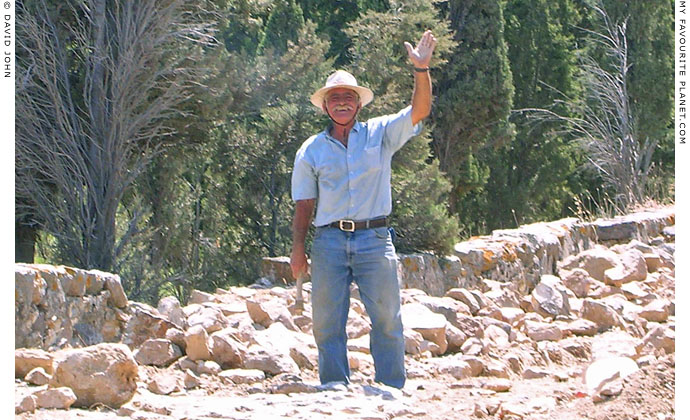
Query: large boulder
x: 102, y: 374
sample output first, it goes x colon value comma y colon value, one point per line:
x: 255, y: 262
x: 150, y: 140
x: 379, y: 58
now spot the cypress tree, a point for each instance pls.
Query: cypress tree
x: 475, y: 94
x: 532, y: 176
x: 284, y: 23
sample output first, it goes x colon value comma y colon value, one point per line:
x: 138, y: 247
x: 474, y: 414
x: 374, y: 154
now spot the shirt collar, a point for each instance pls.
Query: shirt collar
x: 355, y: 128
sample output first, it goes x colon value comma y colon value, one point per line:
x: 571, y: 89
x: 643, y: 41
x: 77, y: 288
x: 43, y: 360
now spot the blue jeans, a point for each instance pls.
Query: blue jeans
x: 367, y: 257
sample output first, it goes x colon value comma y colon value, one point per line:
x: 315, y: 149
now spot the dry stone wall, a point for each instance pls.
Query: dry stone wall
x: 59, y: 306
x: 521, y: 256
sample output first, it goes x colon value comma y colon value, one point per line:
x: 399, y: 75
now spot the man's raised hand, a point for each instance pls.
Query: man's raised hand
x: 420, y: 56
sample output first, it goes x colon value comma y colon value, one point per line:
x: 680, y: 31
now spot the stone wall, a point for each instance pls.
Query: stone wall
x: 521, y: 256
x: 57, y: 306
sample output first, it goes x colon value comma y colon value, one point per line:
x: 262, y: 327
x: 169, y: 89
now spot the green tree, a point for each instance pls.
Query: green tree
x: 475, y: 95
x: 283, y: 25
x: 531, y: 176
x: 332, y: 17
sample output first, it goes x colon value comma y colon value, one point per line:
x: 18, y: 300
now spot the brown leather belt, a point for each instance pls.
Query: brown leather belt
x: 351, y: 226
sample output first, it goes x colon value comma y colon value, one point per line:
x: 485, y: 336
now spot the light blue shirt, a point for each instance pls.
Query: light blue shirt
x: 352, y: 182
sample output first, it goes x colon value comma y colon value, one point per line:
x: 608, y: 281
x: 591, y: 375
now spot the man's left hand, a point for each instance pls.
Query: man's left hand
x: 420, y: 56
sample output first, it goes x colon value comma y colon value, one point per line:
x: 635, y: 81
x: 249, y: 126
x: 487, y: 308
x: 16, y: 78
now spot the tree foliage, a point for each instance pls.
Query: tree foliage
x: 533, y: 175
x: 603, y: 120
x: 475, y: 94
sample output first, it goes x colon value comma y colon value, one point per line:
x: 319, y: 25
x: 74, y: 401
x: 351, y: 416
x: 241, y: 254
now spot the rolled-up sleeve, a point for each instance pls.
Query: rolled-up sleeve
x: 304, y: 182
x: 399, y: 129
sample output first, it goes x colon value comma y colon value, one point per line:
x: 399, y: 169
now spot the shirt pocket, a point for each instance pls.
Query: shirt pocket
x: 372, y: 160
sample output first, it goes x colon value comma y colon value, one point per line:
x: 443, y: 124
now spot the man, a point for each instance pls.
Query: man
x: 345, y: 173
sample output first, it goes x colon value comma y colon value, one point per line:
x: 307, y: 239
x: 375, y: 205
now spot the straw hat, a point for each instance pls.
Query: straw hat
x: 341, y: 79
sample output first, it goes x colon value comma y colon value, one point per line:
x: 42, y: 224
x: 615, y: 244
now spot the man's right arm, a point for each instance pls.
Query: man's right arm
x: 300, y: 225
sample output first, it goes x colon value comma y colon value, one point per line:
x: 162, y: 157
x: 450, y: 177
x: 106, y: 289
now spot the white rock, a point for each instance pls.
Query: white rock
x: 549, y: 297
x: 511, y: 315
x: 209, y: 317
x: 656, y: 310
x: 431, y: 325
x: 539, y: 331
x: 595, y: 261
x: 170, y: 307
x: 614, y: 344
x: 466, y: 297
x: 270, y: 360
x: 606, y: 370
x: 497, y: 336
x: 632, y: 267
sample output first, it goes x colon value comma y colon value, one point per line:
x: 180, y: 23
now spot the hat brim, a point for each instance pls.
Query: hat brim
x: 365, y: 94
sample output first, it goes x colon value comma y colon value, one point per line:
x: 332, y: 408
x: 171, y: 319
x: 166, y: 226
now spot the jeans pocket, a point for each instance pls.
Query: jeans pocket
x: 381, y: 232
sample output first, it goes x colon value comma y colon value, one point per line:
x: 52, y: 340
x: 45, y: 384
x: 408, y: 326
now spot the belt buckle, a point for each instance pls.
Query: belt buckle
x: 341, y: 225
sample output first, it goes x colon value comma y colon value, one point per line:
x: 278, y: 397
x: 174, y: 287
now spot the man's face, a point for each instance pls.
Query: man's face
x: 342, y: 104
